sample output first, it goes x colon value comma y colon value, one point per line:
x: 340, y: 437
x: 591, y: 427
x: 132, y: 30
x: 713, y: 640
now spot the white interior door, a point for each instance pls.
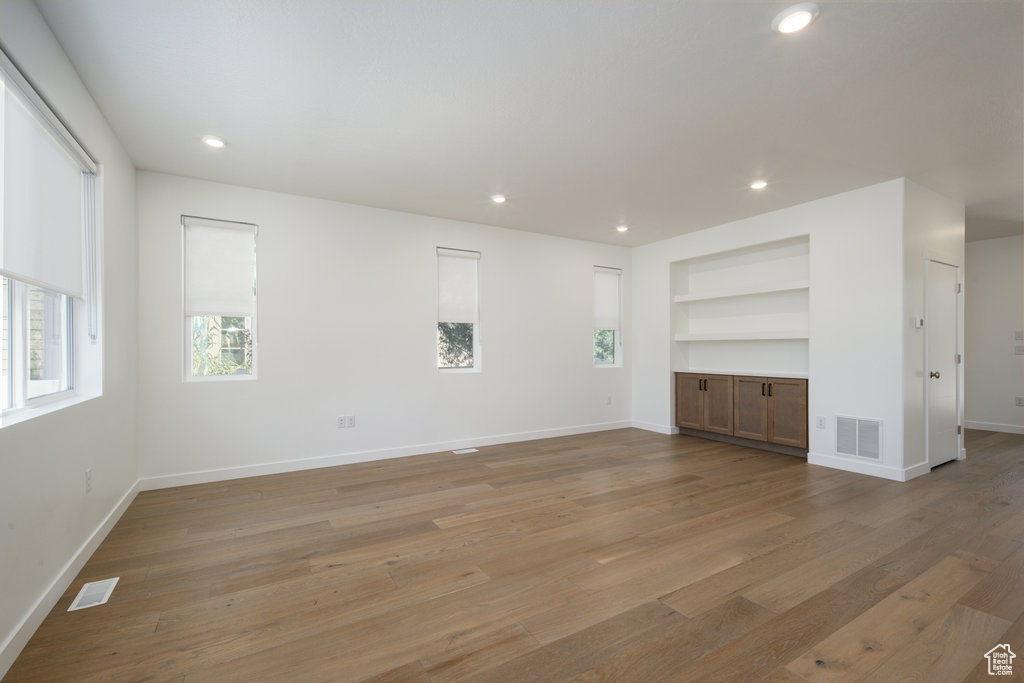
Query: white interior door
x: 941, y: 330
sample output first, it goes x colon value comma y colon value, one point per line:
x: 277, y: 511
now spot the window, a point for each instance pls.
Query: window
x: 5, y: 347
x: 220, y: 298
x: 458, y: 310
x: 48, y: 265
x: 607, y: 317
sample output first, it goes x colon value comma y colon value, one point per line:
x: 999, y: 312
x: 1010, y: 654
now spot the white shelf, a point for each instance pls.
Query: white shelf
x: 743, y: 291
x: 744, y: 336
x: 744, y: 373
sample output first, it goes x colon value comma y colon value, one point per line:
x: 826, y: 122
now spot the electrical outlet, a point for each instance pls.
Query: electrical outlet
x: 819, y: 422
x: 609, y: 401
x: 341, y: 422
x: 1018, y: 335
x: 350, y: 421
x: 88, y: 480
x: 1020, y: 401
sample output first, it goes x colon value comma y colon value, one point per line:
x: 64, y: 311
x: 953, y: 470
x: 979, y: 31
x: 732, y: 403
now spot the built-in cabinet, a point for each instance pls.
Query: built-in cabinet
x: 706, y: 402
x: 769, y: 410
x: 744, y: 311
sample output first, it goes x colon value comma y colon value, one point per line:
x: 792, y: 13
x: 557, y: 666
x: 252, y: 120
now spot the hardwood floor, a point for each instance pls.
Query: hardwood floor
x: 622, y: 555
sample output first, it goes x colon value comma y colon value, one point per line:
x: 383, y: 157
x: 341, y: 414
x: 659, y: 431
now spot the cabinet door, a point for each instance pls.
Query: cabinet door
x: 718, y: 403
x: 787, y: 412
x: 689, y: 406
x: 750, y: 408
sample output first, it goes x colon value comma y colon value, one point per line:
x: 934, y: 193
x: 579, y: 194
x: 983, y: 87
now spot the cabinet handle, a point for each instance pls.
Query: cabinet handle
x: 700, y: 384
x: 762, y: 388
x: 769, y: 388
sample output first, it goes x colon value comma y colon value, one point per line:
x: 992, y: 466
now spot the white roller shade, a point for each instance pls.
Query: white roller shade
x: 220, y: 267
x: 41, y: 229
x: 606, y: 298
x: 457, y: 299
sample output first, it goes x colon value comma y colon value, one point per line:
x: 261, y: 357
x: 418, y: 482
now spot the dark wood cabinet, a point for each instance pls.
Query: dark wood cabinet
x: 771, y: 410
x: 718, y: 415
x: 704, y: 402
x: 787, y: 412
x: 750, y: 408
x: 689, y: 407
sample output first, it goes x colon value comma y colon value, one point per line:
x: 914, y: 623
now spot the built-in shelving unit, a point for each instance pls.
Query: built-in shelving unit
x: 743, y: 310
x: 741, y: 335
x: 743, y: 291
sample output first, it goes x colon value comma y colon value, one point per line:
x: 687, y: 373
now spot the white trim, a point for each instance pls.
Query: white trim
x: 16, y: 640
x: 652, y: 427
x: 994, y: 427
x: 860, y: 466
x: 277, y: 467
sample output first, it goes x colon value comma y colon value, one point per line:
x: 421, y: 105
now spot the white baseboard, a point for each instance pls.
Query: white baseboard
x: 652, y: 427
x: 18, y: 638
x: 994, y: 427
x: 870, y: 468
x: 222, y: 474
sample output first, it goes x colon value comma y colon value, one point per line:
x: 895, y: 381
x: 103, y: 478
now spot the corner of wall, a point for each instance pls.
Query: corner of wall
x: 19, y: 636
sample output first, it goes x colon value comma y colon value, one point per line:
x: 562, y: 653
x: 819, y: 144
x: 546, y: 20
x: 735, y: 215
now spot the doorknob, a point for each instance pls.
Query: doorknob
x: 934, y: 374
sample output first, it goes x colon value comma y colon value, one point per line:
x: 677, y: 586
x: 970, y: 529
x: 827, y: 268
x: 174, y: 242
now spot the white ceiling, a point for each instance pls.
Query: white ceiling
x: 587, y: 114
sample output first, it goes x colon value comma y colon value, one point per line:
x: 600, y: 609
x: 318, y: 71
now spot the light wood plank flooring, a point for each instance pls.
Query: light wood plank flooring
x: 623, y: 555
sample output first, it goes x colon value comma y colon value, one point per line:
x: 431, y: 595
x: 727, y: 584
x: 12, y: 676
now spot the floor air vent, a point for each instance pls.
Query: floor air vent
x: 860, y: 437
x: 464, y: 450
x: 94, y: 593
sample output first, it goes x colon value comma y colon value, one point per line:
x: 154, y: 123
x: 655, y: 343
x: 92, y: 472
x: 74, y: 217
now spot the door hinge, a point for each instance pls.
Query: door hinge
x: 958, y: 288
x: 957, y: 359
x: 959, y: 429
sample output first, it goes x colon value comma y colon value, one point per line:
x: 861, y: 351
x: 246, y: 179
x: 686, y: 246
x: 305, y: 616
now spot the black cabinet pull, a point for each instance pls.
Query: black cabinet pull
x: 769, y: 389
x: 762, y: 388
x: 700, y: 385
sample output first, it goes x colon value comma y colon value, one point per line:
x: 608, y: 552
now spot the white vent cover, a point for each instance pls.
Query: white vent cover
x: 859, y: 436
x: 464, y: 450
x: 94, y: 593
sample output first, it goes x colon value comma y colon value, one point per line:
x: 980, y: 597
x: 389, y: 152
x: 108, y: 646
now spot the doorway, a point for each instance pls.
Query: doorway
x: 942, y: 358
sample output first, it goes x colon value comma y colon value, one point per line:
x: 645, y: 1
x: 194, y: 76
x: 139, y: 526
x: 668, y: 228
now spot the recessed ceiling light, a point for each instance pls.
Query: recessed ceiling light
x: 758, y: 184
x: 795, y: 18
x: 622, y: 228
x: 499, y: 198
x: 214, y: 141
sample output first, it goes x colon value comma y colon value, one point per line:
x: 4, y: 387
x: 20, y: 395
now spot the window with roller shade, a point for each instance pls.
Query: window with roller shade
x: 458, y: 310
x: 220, y: 298
x: 48, y: 260
x: 607, y: 317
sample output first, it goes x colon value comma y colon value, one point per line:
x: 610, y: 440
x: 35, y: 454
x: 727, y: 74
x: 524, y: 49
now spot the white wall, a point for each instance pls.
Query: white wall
x: 347, y: 325
x: 933, y: 229
x: 855, y: 347
x: 48, y: 524
x: 994, y: 311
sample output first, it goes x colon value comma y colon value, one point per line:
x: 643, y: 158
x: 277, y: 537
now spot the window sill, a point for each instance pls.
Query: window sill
x: 221, y: 378
x: 44, y: 406
x: 609, y: 366
x: 458, y: 371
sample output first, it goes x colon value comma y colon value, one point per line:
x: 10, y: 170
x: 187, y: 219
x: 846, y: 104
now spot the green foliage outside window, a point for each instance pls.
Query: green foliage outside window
x: 604, y: 347
x: 455, y: 345
x: 221, y: 345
